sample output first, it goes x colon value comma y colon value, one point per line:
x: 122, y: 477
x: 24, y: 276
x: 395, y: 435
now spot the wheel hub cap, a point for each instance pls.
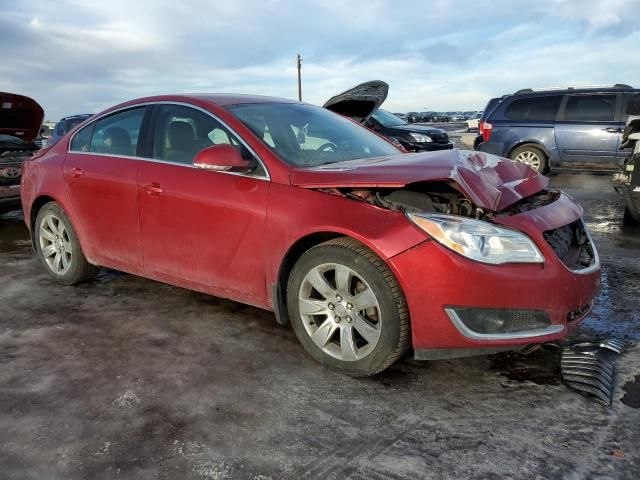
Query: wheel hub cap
x: 55, y: 244
x: 340, y: 312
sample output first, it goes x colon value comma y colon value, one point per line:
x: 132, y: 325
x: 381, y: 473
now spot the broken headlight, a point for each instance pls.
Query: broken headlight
x: 477, y: 240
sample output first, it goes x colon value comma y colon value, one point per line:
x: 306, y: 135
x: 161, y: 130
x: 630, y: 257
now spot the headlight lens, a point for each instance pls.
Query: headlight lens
x: 421, y: 137
x: 477, y: 240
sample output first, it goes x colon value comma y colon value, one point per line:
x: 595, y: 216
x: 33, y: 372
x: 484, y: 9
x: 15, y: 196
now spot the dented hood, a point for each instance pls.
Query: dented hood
x: 359, y: 102
x: 20, y: 116
x: 490, y: 182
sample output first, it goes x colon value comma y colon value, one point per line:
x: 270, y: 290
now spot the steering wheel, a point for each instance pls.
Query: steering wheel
x: 326, y: 147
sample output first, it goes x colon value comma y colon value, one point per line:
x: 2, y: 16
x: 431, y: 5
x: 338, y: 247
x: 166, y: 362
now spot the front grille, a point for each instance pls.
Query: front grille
x: 10, y: 170
x: 572, y: 245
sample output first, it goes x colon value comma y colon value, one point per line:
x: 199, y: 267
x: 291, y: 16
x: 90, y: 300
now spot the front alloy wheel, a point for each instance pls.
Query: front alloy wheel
x: 347, y: 309
x: 341, y: 316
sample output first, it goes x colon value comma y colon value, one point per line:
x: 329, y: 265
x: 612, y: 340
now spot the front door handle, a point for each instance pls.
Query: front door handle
x: 153, y: 188
x: 613, y: 130
x: 76, y: 172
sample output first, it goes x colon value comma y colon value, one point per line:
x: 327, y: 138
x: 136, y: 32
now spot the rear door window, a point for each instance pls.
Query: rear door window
x: 542, y: 109
x: 118, y: 134
x: 591, y: 108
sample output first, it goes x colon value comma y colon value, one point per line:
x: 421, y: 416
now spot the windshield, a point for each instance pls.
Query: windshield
x: 304, y: 135
x: 388, y: 119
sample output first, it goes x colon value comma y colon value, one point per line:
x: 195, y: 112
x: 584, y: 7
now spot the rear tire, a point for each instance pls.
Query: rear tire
x: 347, y: 308
x: 58, y: 247
x: 531, y: 156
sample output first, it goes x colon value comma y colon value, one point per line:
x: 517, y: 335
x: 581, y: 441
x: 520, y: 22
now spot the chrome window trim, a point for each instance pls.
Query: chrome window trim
x: 266, y: 175
x: 468, y: 333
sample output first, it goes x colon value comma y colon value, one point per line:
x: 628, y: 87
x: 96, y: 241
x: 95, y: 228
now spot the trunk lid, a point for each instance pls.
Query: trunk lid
x: 490, y: 182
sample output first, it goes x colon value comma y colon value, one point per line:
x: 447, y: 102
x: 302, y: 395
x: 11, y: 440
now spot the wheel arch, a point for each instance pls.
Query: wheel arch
x: 295, y: 251
x: 36, y: 206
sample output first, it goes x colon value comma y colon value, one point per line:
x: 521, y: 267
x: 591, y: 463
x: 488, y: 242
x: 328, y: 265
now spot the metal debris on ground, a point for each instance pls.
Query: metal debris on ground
x: 584, y: 368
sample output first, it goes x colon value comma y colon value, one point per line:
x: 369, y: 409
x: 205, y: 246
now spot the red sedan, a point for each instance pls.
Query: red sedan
x: 365, y: 250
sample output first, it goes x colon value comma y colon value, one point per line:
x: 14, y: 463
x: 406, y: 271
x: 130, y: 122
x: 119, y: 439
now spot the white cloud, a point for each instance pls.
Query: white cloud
x: 80, y: 55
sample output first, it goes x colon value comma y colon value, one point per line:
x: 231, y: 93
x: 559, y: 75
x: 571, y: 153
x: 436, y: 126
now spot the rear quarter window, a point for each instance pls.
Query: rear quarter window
x: 535, y: 109
x: 82, y: 139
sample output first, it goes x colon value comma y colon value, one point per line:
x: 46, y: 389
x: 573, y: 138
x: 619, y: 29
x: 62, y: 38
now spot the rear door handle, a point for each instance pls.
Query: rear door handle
x: 153, y: 188
x: 76, y: 172
x: 613, y: 130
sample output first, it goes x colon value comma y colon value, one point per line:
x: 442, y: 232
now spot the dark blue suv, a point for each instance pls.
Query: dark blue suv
x: 573, y: 128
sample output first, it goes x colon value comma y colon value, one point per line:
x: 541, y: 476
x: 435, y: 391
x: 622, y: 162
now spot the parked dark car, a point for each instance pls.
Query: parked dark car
x: 20, y: 120
x: 573, y: 128
x: 362, y: 104
x: 414, y: 138
x: 65, y: 125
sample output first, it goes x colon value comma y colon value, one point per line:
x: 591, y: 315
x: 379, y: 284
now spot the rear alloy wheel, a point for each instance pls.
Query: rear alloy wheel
x: 58, y: 247
x: 531, y: 156
x: 347, y: 308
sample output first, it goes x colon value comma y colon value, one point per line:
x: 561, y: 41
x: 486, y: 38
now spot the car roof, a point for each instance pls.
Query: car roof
x: 221, y: 99
x: 80, y: 115
x: 530, y: 92
x: 216, y: 99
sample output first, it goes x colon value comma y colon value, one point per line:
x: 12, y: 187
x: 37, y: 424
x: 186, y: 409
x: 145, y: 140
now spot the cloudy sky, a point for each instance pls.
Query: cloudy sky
x: 77, y: 56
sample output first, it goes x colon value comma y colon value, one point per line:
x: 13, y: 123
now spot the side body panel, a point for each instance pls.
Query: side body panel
x: 589, y: 144
x: 103, y: 192
x: 204, y: 227
x: 294, y: 213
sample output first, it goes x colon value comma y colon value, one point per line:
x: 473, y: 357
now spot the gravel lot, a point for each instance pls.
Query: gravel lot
x: 128, y: 378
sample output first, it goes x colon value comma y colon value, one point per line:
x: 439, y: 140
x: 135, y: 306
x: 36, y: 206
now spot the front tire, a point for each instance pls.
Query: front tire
x: 531, y: 156
x: 347, y: 308
x: 58, y: 247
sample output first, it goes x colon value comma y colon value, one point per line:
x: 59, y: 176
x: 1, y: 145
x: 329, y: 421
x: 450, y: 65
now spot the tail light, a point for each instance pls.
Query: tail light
x: 485, y: 130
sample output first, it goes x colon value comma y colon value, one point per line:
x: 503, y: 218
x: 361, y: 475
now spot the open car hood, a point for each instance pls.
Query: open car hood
x: 20, y: 116
x: 490, y: 182
x: 359, y: 102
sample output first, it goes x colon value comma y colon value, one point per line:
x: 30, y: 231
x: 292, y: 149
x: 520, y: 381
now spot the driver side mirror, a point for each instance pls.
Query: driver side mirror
x: 220, y: 158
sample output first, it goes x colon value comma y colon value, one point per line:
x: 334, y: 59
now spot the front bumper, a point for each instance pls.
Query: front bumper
x: 434, y: 279
x: 431, y: 146
x: 9, y: 195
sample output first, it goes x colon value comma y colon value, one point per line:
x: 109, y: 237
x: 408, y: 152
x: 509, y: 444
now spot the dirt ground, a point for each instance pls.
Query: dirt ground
x: 131, y: 379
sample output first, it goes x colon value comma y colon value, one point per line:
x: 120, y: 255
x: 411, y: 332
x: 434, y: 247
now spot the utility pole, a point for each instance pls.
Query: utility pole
x: 299, y: 61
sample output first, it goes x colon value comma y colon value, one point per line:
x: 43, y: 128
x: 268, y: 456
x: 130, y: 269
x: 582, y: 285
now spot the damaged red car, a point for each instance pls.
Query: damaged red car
x: 365, y: 250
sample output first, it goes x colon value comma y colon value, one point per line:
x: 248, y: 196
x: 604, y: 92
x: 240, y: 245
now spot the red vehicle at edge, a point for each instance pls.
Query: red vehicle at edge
x: 366, y: 251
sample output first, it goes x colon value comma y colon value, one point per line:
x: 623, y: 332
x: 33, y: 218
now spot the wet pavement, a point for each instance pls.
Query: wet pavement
x: 128, y: 378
